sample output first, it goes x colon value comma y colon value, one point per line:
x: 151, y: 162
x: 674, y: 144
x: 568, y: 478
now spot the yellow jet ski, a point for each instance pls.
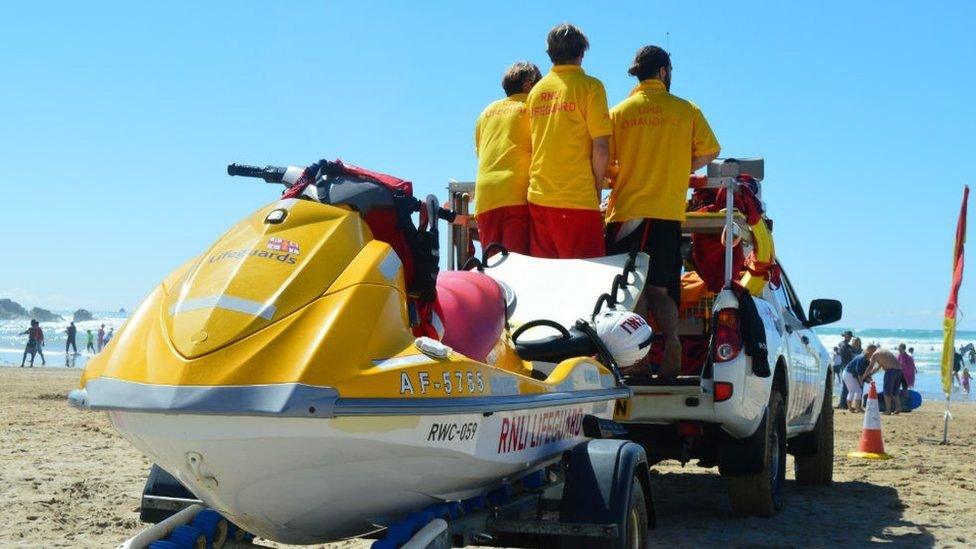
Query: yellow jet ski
x: 312, y: 376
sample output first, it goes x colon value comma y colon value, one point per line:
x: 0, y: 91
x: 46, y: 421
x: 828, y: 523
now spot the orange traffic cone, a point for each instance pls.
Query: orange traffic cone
x: 871, y: 447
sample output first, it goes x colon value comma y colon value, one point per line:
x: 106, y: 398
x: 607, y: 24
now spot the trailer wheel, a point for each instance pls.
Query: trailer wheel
x: 636, y: 527
x: 817, y: 468
x: 606, y: 483
x: 761, y: 494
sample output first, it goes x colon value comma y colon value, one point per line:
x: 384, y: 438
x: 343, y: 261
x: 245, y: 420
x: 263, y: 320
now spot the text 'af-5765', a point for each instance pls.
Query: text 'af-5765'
x: 447, y: 383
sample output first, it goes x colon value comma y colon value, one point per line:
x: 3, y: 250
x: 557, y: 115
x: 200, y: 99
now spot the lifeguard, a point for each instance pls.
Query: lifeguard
x: 504, y: 148
x: 658, y: 140
x: 570, y: 126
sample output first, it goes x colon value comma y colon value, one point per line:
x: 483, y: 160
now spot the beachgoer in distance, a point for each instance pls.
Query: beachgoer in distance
x: 570, y: 125
x: 883, y: 359
x: 907, y: 366
x: 503, y: 144
x: 70, y: 341
x: 956, y: 365
x: 90, y: 337
x: 965, y: 379
x: 101, y: 337
x: 658, y: 140
x: 837, y: 366
x: 109, y: 335
x: 855, y: 372
x: 846, y: 352
x: 35, y: 342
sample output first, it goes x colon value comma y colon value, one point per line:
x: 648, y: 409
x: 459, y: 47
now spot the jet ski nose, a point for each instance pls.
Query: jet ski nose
x: 78, y: 398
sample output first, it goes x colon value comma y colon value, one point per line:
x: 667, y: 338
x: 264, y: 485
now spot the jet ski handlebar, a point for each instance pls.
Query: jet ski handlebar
x: 271, y: 174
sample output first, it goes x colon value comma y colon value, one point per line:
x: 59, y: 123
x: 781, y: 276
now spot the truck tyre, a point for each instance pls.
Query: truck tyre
x: 817, y: 468
x: 761, y: 494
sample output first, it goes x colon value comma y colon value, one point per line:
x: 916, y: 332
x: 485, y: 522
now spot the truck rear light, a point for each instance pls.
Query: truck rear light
x: 723, y: 391
x: 728, y: 338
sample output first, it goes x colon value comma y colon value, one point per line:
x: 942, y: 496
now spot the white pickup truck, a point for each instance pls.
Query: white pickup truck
x: 755, y: 382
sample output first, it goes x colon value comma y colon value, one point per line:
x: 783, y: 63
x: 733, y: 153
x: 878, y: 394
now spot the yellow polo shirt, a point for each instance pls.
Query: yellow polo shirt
x: 567, y: 110
x: 655, y: 135
x: 504, y: 147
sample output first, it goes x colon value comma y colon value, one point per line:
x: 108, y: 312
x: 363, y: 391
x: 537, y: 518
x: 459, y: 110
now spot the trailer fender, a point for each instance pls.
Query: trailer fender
x: 599, y: 476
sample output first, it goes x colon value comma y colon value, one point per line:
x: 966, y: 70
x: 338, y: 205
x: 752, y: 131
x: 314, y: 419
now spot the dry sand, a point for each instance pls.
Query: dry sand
x: 66, y: 479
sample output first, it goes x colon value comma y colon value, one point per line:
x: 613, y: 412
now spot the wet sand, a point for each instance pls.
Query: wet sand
x: 67, y: 479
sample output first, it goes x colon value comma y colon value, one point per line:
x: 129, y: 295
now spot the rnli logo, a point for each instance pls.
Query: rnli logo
x: 281, y: 245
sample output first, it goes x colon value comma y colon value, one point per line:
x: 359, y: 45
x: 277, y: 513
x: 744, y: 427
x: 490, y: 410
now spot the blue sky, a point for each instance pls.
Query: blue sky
x: 117, y: 119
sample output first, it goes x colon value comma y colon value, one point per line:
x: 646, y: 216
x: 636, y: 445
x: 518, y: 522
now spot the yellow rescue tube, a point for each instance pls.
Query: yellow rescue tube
x: 755, y: 279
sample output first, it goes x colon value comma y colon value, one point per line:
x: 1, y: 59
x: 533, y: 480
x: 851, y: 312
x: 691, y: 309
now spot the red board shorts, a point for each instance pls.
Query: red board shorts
x: 508, y: 226
x: 565, y: 233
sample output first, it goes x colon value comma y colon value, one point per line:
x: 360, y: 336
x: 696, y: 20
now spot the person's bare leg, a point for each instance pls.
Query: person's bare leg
x: 665, y: 313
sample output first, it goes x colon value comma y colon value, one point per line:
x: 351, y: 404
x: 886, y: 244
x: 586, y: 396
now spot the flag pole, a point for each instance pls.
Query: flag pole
x: 952, y: 306
x: 945, y: 427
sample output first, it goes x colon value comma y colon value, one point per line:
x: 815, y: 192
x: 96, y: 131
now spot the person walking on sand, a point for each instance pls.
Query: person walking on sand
x: 35, y: 340
x: 658, y: 140
x: 846, y: 352
x: 907, y: 366
x: 837, y: 366
x: 101, y: 337
x: 883, y: 359
x: 90, y: 338
x: 570, y: 125
x: 72, y: 331
x: 855, y: 372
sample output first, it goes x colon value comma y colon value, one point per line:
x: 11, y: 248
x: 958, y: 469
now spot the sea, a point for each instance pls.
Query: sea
x: 12, y: 343
x: 927, y: 344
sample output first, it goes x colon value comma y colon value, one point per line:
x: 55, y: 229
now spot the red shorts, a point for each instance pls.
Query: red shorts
x: 508, y: 225
x: 566, y: 233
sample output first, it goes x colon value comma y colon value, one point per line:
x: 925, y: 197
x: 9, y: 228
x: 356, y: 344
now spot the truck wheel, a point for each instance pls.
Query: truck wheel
x: 761, y: 494
x: 637, y: 524
x: 817, y: 468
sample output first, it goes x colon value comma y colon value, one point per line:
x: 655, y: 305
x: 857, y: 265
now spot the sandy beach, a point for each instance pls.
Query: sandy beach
x: 67, y: 479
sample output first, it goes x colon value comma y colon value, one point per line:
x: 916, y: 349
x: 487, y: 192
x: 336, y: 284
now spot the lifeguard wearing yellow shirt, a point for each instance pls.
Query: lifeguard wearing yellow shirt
x: 504, y: 148
x: 570, y: 126
x: 658, y: 141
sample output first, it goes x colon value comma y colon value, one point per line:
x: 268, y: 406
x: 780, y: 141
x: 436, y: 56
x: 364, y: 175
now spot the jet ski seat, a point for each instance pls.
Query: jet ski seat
x: 471, y: 308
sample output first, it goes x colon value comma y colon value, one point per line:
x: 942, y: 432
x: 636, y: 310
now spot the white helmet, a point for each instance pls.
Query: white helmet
x: 625, y: 334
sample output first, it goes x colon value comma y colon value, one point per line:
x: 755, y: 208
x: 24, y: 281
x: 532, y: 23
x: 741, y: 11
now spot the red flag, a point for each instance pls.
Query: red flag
x: 949, y: 323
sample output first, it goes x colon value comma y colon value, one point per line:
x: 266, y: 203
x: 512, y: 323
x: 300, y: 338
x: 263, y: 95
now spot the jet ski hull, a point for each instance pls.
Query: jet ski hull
x: 310, y: 480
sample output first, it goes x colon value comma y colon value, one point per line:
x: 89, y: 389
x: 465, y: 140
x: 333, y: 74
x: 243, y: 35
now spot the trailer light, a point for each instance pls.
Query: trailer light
x: 723, y: 391
x: 690, y: 429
